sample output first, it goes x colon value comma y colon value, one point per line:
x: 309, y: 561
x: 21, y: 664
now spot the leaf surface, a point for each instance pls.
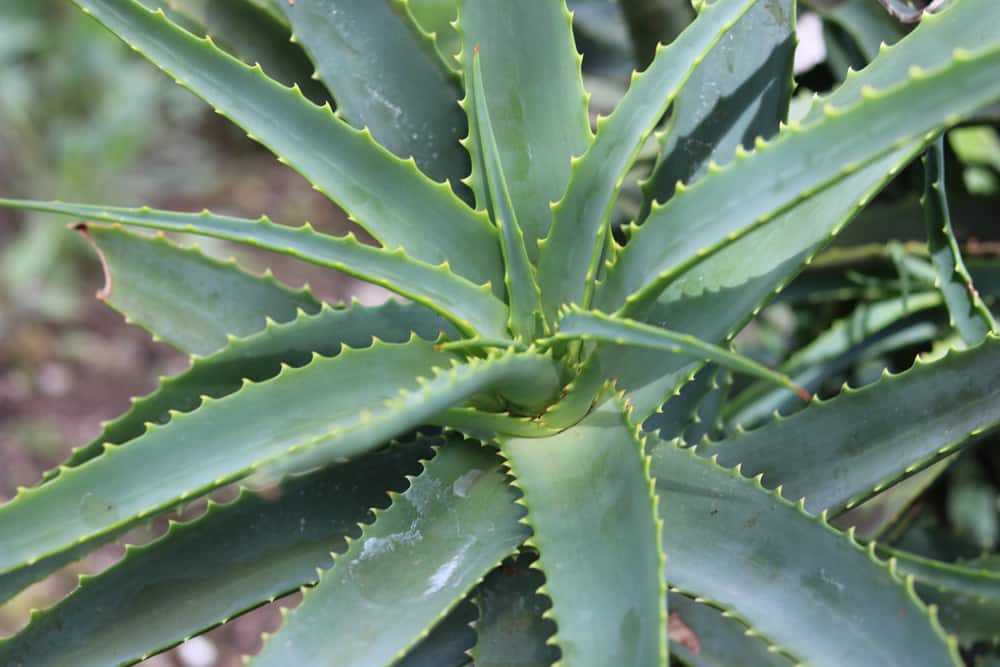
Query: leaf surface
x: 434, y: 286
x: 409, y: 567
x: 590, y: 502
x: 810, y: 589
x: 344, y: 163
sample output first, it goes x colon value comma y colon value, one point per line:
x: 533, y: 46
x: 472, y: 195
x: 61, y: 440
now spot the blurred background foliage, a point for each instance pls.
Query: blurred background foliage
x: 867, y: 305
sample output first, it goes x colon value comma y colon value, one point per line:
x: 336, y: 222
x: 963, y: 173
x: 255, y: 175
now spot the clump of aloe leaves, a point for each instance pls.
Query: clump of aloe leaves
x: 536, y: 458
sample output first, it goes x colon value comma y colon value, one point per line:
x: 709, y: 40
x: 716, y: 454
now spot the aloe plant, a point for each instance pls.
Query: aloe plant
x: 495, y: 470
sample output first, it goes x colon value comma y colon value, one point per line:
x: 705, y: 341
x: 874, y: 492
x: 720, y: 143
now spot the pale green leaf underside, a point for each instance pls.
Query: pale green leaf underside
x: 344, y: 163
x: 185, y: 298
x: 570, y: 254
x: 839, y: 452
x: 591, y: 505
x: 470, y: 307
x: 457, y: 520
x: 199, y: 574
x: 386, y: 76
x: 802, y: 160
x: 810, y: 589
x: 536, y: 102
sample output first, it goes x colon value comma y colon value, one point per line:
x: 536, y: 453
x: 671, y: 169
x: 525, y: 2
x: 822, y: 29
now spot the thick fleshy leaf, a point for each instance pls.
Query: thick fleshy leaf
x: 310, y: 421
x: 346, y: 164
x: 199, y: 574
x: 511, y: 630
x: 969, y: 315
x: 590, y: 502
x: 759, y: 186
x: 680, y: 410
x: 469, y: 305
x: 448, y: 643
x: 570, y: 255
x: 386, y: 76
x: 536, y: 102
x: 654, y: 22
x: 519, y: 274
x: 839, y: 452
x: 810, y: 589
x: 716, y: 638
x: 596, y: 326
x: 739, y: 92
x: 437, y: 19
x: 185, y: 298
x: 409, y: 567
x: 867, y: 25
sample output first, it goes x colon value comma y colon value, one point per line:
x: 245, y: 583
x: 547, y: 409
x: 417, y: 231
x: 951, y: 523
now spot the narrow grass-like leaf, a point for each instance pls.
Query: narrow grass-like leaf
x: 435, y: 542
x: 739, y: 92
x: 535, y: 98
x: 802, y: 160
x: 839, y: 452
x: 311, y: 421
x: 812, y: 590
x: 235, y: 557
x: 471, y: 307
x: 386, y: 76
x: 519, y: 274
x: 717, y: 639
x: 570, y: 255
x: 185, y: 298
x: 969, y: 315
x: 578, y: 324
x: 346, y: 164
x: 511, y: 630
x: 590, y: 502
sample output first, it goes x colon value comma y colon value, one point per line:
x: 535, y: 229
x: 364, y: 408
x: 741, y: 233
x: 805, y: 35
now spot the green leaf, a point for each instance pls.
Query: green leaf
x: 457, y: 520
x: 803, y: 159
x: 447, y: 643
x: 810, y: 589
x: 967, y: 597
x: 591, y: 505
x: 654, y: 22
x: 184, y: 298
x: 680, y: 410
x: 839, y: 452
x: 437, y: 19
x: 538, y: 113
x: 344, y: 163
x: 199, y: 574
x: 310, y: 422
x: 511, y: 630
x: 739, y: 92
x: 570, y: 255
x: 471, y: 307
x: 519, y: 275
x: 864, y: 21
x: 721, y: 638
x: 578, y: 324
x: 386, y: 76
x: 969, y: 315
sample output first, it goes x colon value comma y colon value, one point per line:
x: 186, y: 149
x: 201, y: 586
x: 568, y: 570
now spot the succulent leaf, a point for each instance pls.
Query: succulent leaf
x: 345, y: 164
x: 455, y: 522
x: 185, y: 298
x: 386, y: 76
x: 598, y: 541
x: 571, y: 253
x: 471, y: 307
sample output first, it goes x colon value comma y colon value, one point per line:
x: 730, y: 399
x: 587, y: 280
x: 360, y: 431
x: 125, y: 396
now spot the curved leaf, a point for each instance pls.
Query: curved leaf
x: 310, y: 422
x: 199, y: 574
x: 812, y: 590
x: 386, y: 76
x: 419, y: 558
x: 436, y: 287
x: 590, y: 502
x: 344, y: 163
x: 568, y: 263
x: 839, y: 452
x: 536, y: 102
x: 185, y: 298
x: 969, y: 315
